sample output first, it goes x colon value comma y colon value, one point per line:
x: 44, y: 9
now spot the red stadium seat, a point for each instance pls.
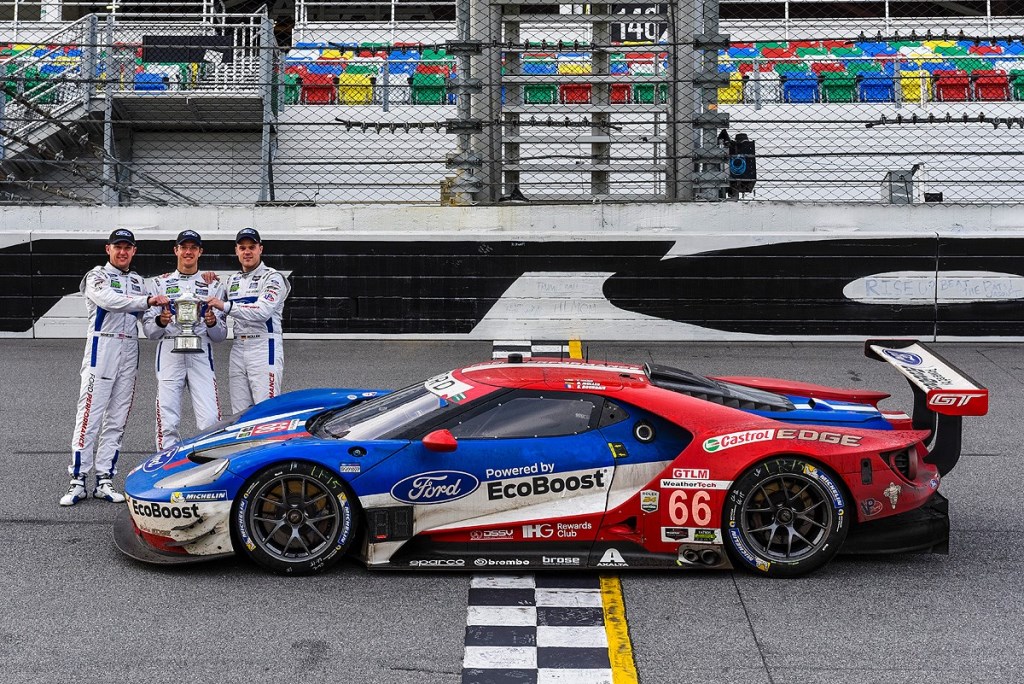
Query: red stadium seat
x: 318, y: 89
x: 621, y: 93
x: 575, y: 93
x: 952, y: 86
x: 778, y: 53
x: 818, y: 67
x: 991, y: 85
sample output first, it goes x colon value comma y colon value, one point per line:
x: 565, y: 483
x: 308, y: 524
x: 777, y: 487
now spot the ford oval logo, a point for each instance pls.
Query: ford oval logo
x: 438, y: 486
x: 156, y: 462
x: 904, y: 357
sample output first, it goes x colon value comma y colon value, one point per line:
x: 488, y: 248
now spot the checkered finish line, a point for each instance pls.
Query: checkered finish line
x: 546, y: 629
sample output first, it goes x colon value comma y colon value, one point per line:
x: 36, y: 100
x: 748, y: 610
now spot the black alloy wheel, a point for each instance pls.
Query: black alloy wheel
x: 295, y: 518
x: 786, y: 517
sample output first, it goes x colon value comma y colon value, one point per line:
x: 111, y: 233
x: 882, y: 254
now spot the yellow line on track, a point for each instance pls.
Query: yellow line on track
x: 620, y: 650
x: 575, y: 349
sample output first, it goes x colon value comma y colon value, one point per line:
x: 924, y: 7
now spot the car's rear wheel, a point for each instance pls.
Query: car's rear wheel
x: 295, y: 518
x: 786, y: 517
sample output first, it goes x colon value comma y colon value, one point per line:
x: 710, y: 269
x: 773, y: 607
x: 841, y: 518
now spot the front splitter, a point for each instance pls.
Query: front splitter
x: 128, y: 542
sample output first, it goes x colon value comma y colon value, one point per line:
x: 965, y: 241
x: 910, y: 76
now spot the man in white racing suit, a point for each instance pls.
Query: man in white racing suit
x: 176, y: 371
x: 115, y: 298
x: 256, y: 297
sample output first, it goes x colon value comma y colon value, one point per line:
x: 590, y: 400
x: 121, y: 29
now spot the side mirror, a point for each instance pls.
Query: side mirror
x: 441, y: 441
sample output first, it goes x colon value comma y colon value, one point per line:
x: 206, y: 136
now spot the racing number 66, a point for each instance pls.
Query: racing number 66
x: 680, y: 510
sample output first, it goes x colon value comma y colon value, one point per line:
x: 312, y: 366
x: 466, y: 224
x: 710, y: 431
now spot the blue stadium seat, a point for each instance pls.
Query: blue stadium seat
x: 403, y: 68
x: 315, y: 68
x: 739, y: 53
x: 799, y: 88
x: 876, y: 88
x: 540, y: 68
x: 150, y: 82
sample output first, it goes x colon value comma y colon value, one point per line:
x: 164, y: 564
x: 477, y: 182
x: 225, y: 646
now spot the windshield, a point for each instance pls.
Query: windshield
x: 384, y: 416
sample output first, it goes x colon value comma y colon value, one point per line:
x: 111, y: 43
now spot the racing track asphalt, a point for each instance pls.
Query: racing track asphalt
x: 72, y: 607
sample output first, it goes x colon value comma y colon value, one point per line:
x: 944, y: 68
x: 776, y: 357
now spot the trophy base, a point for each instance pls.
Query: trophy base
x: 187, y: 345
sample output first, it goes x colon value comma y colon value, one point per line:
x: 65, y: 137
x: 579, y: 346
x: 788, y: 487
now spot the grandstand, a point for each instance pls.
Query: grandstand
x: 135, y: 104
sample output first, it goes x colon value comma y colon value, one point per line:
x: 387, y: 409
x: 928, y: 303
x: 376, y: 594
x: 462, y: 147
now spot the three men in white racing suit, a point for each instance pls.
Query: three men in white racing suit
x: 115, y: 299
x: 177, y: 372
x: 255, y: 303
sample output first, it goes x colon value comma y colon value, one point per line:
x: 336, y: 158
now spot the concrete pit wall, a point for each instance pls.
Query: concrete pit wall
x: 731, y: 271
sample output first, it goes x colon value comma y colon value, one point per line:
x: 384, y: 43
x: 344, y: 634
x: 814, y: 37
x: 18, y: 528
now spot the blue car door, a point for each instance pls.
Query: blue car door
x: 522, y: 457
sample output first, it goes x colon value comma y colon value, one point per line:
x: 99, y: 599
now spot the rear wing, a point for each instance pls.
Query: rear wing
x: 943, y: 394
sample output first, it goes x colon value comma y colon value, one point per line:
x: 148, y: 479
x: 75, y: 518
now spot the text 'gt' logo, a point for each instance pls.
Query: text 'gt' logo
x: 951, y: 399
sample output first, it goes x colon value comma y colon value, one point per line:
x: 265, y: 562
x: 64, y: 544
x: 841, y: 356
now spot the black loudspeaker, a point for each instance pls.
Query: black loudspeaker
x: 742, y: 164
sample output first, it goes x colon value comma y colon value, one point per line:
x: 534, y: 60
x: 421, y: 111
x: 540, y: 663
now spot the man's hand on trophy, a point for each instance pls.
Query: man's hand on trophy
x: 157, y: 300
x: 215, y: 303
x: 165, y: 316
x: 210, y: 317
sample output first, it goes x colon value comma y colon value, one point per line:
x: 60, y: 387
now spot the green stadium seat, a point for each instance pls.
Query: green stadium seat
x: 643, y: 93
x: 1017, y: 84
x: 837, y: 86
x: 428, y: 89
x: 791, y: 68
x: 540, y: 94
x: 292, y: 85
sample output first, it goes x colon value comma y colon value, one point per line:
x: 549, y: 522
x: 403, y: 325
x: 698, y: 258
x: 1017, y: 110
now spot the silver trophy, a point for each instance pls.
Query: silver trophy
x: 186, y: 314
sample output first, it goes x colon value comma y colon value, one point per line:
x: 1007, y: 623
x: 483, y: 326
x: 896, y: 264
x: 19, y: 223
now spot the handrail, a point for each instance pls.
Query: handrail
x: 48, y: 40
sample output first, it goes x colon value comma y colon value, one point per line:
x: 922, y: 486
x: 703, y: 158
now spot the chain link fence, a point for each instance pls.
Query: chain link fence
x: 485, y: 101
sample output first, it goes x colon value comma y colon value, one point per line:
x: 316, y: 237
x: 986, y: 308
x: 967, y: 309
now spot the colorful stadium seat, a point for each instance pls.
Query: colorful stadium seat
x: 621, y: 93
x: 148, y: 82
x: 429, y: 88
x: 733, y: 93
x: 838, y: 86
x: 355, y: 89
x: 540, y: 94
x: 991, y: 85
x: 575, y: 93
x: 292, y: 85
x: 877, y: 87
x: 318, y: 88
x: 915, y: 85
x: 952, y: 86
x: 799, y: 87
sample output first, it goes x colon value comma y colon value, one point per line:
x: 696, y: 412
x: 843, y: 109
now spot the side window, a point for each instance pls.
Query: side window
x: 528, y: 417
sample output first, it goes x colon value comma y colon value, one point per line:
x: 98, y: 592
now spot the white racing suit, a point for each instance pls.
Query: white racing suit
x: 175, y: 372
x: 115, y: 300
x: 255, y: 302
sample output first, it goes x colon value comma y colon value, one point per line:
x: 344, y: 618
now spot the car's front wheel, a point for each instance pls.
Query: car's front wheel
x: 295, y: 518
x: 786, y: 517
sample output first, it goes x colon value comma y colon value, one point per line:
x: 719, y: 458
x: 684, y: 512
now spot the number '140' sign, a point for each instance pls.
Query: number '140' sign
x: 636, y: 29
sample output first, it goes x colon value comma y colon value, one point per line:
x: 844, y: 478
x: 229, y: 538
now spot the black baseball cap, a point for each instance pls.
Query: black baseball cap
x: 121, y: 235
x: 189, y: 236
x: 248, y: 234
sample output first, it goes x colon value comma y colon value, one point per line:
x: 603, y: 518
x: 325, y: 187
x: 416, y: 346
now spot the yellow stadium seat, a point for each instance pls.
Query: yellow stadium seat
x: 733, y: 94
x: 573, y: 68
x: 355, y: 89
x: 915, y: 83
x: 330, y: 54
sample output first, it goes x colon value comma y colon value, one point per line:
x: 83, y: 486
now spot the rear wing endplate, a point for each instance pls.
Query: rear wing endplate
x: 943, y: 394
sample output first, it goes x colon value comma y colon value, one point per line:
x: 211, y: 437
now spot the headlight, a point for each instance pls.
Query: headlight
x: 200, y: 475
